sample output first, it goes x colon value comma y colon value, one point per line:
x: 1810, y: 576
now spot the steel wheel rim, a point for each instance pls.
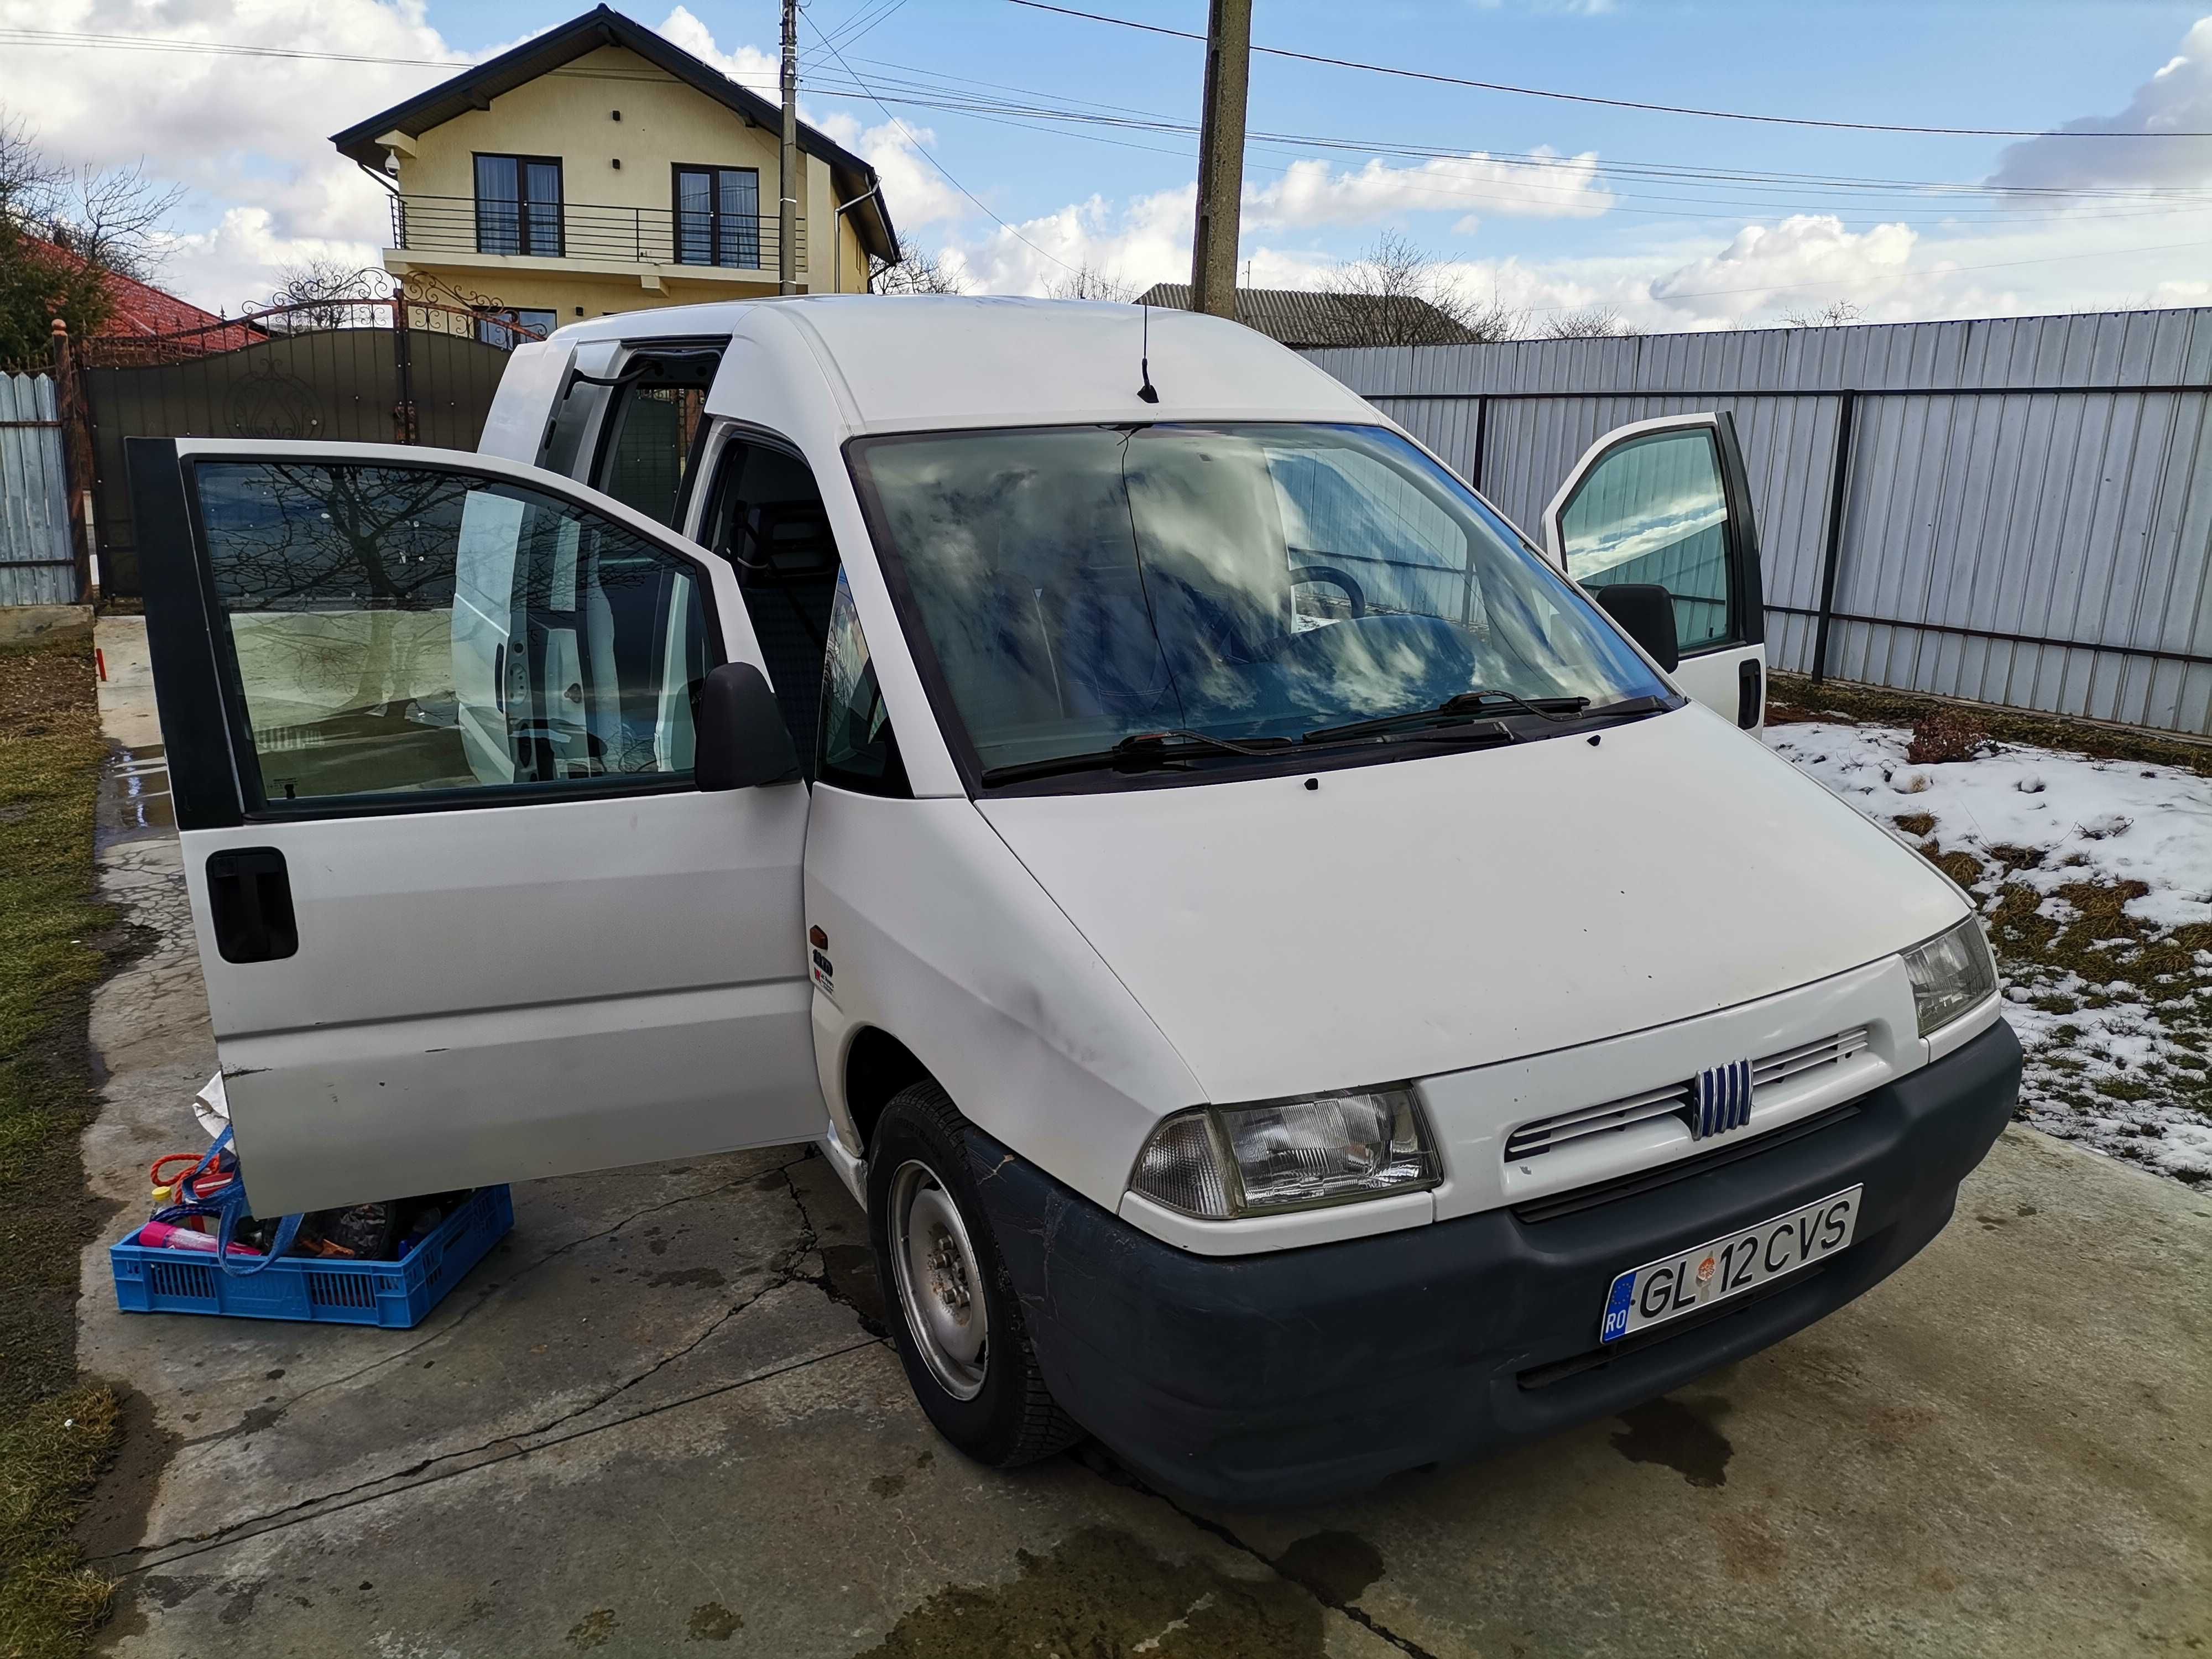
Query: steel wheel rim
x: 940, y: 1288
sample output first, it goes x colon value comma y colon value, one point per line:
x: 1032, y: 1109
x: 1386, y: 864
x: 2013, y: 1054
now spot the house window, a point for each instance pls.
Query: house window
x: 508, y: 327
x: 718, y: 216
x: 518, y: 204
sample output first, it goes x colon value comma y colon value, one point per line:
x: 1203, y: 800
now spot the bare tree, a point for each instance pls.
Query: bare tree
x: 1087, y: 282
x: 112, y: 219
x: 917, y: 272
x: 1591, y: 322
x: 325, y: 294
x: 1396, y: 294
x: 29, y: 184
x: 62, y: 231
x: 1835, y: 314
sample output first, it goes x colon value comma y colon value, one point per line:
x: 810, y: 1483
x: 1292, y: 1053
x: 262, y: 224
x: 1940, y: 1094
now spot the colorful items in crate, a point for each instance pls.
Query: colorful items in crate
x: 207, y: 1190
x: 203, y: 1251
x: 211, y: 1191
x: 449, y: 1236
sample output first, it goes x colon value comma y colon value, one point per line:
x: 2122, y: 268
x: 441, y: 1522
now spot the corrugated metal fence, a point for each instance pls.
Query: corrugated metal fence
x: 36, y: 564
x: 2016, y: 510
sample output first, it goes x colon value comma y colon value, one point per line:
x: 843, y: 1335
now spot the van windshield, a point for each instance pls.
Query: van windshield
x: 1077, y: 587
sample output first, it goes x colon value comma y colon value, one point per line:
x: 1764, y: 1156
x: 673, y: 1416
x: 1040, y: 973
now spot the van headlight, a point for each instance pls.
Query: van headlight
x: 1951, y: 974
x: 1222, y: 1162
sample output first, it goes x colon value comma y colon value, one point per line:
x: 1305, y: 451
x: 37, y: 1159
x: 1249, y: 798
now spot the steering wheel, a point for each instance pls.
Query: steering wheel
x: 1355, y: 597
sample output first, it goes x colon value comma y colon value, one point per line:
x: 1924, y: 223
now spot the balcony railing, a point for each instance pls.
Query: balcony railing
x: 580, y: 230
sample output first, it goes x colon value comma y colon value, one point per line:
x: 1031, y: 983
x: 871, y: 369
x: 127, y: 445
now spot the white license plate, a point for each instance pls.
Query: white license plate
x: 1679, y: 1285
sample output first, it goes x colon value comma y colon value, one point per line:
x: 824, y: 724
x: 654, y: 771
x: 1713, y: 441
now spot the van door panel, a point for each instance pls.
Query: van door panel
x: 1666, y: 501
x: 445, y: 701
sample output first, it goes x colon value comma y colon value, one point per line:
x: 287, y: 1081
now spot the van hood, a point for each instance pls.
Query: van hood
x: 1454, y: 909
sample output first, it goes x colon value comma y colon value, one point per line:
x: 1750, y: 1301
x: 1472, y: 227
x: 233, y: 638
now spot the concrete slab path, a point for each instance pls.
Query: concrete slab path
x: 662, y: 1414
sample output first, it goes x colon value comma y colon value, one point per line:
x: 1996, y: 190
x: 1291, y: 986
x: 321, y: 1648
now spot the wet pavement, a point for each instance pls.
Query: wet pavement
x: 661, y: 1414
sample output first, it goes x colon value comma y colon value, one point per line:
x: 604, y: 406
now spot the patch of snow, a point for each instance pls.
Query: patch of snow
x: 2094, y: 820
x: 2106, y: 1065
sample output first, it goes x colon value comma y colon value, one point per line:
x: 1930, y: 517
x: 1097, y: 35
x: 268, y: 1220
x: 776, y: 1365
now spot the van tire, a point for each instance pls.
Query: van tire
x: 1011, y: 1418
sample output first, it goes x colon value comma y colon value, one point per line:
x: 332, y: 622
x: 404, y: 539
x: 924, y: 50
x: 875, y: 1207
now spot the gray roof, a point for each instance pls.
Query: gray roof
x: 475, y: 88
x: 1303, y: 318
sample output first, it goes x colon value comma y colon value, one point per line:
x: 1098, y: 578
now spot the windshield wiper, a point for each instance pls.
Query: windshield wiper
x: 1466, y: 706
x: 1489, y: 704
x: 1142, y: 751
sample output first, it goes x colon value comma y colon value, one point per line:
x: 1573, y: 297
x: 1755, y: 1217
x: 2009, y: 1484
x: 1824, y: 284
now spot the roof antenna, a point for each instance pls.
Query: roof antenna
x: 1146, y: 392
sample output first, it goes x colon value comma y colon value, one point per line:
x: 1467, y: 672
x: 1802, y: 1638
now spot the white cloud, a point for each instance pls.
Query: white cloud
x: 1767, y: 264
x: 754, y: 67
x: 1143, y: 242
x: 241, y: 255
x: 1313, y: 193
x: 2177, y: 99
x: 915, y: 191
x: 250, y: 136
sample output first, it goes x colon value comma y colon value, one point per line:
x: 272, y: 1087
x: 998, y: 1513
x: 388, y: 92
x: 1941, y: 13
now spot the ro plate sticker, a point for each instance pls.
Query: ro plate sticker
x: 1616, y: 1308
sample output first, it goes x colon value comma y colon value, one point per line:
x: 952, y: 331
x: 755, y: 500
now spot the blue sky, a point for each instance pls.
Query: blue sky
x: 249, y: 137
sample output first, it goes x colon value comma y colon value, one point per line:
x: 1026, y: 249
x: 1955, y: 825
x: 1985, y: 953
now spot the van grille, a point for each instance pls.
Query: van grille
x: 1675, y: 1099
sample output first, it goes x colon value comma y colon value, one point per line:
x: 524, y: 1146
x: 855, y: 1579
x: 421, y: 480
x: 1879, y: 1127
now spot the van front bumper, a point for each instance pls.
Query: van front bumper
x: 1302, y: 1375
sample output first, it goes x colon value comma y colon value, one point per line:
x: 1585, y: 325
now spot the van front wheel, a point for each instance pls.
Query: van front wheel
x: 954, y: 1312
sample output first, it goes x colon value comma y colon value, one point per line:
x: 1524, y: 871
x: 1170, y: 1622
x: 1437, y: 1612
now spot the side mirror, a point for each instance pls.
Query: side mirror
x: 1645, y: 611
x: 742, y: 740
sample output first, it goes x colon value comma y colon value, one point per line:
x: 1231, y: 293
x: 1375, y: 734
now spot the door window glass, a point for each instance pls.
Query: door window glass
x: 396, y: 629
x: 654, y: 425
x: 765, y: 516
x: 858, y: 750
x: 1654, y: 510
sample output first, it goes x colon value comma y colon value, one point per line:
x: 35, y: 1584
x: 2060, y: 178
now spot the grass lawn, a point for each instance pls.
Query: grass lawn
x: 56, y: 1431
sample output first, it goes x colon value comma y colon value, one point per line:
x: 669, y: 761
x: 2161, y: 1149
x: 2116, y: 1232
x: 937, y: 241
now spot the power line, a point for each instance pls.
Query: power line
x: 930, y: 95
x: 931, y: 92
x: 1610, y: 103
x: 849, y: 34
x: 217, y: 48
x: 934, y: 162
x: 2036, y: 202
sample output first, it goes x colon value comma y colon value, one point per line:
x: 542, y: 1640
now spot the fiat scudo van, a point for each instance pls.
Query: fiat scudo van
x: 1305, y: 982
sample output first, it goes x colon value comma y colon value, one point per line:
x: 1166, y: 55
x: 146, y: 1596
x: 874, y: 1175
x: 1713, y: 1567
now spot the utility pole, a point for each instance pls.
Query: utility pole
x: 1221, y: 157
x: 786, y: 219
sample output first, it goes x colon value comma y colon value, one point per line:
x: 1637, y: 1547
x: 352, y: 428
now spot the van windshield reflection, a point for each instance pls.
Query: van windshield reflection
x: 1077, y: 587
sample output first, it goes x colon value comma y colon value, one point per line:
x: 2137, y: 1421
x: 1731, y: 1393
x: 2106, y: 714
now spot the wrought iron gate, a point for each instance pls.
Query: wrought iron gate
x: 400, y: 370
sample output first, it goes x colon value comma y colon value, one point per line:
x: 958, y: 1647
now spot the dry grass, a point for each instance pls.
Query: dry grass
x: 1794, y: 698
x: 55, y: 1432
x: 50, y: 1455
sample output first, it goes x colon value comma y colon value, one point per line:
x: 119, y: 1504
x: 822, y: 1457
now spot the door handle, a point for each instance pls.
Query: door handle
x: 249, y: 905
x: 1748, y: 700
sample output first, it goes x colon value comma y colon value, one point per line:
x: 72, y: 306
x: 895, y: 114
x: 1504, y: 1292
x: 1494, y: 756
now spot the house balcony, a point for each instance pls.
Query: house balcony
x: 652, y: 244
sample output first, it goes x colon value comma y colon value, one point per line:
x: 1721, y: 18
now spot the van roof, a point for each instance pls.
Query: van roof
x: 918, y: 362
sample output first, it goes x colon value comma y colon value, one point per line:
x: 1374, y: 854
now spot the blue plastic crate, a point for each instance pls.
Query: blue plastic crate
x: 332, y: 1292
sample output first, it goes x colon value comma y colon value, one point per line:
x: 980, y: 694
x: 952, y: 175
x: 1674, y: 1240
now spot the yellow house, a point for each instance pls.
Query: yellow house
x: 597, y: 168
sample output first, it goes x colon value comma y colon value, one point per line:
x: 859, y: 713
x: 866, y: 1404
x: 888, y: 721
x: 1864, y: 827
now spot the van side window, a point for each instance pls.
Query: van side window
x: 647, y: 443
x: 765, y: 516
x: 396, y: 629
x: 859, y: 751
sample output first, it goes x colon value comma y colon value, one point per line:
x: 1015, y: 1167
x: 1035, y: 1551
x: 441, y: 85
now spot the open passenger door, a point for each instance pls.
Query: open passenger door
x: 1667, y: 502
x: 465, y: 914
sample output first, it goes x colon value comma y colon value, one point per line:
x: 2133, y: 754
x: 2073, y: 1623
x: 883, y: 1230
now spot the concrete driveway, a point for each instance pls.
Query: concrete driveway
x: 663, y: 1414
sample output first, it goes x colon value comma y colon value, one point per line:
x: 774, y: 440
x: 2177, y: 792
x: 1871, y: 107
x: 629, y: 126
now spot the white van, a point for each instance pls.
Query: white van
x: 1299, y: 988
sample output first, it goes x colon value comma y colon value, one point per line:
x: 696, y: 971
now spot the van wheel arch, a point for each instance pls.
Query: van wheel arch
x: 878, y: 1065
